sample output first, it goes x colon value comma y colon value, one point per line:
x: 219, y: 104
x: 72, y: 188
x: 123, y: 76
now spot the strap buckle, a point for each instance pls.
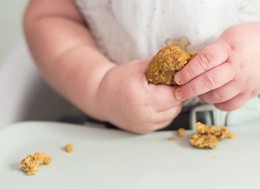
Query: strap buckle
x: 210, y: 115
x: 207, y: 114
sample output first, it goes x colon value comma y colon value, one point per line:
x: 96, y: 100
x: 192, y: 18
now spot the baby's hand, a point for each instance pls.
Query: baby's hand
x: 127, y: 100
x: 226, y: 73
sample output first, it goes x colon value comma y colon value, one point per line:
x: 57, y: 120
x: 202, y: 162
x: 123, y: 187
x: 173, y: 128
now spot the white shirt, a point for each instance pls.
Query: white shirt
x: 131, y: 29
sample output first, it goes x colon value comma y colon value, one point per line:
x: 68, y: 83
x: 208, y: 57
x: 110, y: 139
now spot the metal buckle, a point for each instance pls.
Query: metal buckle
x: 210, y: 115
x: 207, y: 114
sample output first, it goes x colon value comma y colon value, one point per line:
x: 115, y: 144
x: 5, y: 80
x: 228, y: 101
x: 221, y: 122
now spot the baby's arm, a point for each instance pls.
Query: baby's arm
x: 64, y: 50
x: 226, y: 73
x: 68, y: 57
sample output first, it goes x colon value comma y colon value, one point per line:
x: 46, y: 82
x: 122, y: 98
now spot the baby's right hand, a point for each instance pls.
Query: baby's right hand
x: 125, y: 99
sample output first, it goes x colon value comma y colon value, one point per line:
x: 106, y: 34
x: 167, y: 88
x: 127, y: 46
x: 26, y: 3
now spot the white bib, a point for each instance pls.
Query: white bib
x: 131, y: 29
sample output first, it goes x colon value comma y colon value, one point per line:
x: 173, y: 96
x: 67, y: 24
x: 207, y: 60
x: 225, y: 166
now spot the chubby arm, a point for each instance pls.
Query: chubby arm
x: 67, y: 55
x: 65, y: 51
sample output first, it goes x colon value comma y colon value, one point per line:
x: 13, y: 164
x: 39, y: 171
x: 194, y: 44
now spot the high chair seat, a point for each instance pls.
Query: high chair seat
x: 24, y: 94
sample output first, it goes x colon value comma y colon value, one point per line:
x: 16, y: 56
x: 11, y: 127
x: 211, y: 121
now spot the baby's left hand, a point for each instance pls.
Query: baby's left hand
x: 227, y: 72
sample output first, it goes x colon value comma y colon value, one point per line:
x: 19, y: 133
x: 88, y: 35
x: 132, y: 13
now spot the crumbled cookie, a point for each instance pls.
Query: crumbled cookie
x: 204, y: 141
x: 69, y: 148
x: 31, y: 164
x: 219, y: 132
x: 181, y: 132
x: 207, y: 136
x: 167, y: 62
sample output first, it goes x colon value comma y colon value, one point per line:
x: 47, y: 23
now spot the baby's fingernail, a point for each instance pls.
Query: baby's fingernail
x: 178, y: 94
x: 177, y: 78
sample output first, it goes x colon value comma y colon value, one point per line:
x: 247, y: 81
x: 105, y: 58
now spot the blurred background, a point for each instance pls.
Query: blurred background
x: 11, y: 12
x: 24, y: 95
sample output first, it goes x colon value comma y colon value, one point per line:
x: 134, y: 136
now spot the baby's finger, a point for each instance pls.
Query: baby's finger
x: 159, y: 120
x: 222, y: 94
x: 164, y: 118
x: 206, y: 82
x: 210, y: 57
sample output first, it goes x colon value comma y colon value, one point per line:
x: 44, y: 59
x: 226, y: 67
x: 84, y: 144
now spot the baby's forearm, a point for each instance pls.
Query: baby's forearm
x: 65, y: 52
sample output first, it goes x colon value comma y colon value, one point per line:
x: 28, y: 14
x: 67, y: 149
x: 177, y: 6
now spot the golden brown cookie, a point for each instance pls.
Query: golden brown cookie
x: 165, y: 64
x: 168, y: 61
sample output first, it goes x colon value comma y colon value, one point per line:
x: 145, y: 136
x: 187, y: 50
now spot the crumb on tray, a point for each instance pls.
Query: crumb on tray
x: 31, y: 164
x: 69, y: 148
x: 181, y: 132
x: 208, y: 136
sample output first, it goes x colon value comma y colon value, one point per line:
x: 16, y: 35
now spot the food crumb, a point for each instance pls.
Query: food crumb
x: 172, y: 137
x: 181, y: 132
x: 207, y: 136
x: 31, y: 164
x: 69, y: 148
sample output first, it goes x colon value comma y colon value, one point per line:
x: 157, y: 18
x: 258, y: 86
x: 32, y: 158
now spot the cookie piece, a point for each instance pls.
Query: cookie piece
x: 69, y: 148
x: 208, y: 136
x: 204, y: 141
x: 165, y: 64
x: 31, y: 164
x: 219, y: 132
x: 181, y: 132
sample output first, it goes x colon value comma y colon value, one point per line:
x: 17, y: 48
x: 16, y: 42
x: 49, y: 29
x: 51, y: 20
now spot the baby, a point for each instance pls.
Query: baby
x: 95, y: 54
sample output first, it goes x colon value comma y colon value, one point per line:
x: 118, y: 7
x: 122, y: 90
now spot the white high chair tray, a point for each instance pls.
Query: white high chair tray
x: 114, y: 159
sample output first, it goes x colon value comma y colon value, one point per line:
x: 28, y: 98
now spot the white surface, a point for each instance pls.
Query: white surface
x: 115, y: 159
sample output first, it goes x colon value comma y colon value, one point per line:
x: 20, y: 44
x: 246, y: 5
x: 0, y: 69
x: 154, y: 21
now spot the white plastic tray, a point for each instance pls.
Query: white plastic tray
x: 116, y: 159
